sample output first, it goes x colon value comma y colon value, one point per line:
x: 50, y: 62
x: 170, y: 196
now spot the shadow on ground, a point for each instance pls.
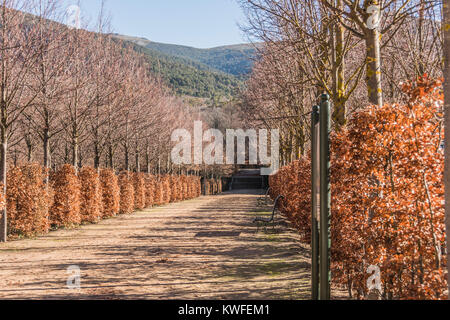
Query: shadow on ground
x: 155, y: 254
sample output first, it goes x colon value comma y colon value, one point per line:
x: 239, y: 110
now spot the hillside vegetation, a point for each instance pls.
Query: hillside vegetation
x: 206, y: 73
x: 186, y: 77
x: 235, y: 60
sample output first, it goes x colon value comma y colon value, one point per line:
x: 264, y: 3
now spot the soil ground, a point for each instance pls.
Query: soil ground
x: 205, y: 248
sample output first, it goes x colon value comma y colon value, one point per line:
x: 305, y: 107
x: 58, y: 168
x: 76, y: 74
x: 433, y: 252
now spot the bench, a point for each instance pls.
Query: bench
x: 262, y: 201
x: 267, y: 221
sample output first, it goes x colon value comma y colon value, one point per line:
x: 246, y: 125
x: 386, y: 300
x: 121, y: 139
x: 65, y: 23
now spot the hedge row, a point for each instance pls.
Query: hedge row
x: 68, y: 200
x: 387, y: 197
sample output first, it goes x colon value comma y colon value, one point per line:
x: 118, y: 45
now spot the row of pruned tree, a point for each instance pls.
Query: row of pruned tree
x: 337, y: 47
x: 78, y: 96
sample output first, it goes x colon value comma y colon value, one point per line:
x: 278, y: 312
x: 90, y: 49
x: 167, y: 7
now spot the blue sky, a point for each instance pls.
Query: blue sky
x: 197, y: 23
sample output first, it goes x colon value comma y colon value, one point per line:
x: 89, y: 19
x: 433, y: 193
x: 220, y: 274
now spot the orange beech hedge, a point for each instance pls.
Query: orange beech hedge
x: 387, y: 197
x: 212, y: 186
x: 193, y: 189
x: 198, y: 187
x: 65, y: 211
x: 175, y: 194
x: 91, y: 204
x: 126, y: 193
x: 109, y: 186
x: 206, y: 187
x: 149, y: 190
x: 294, y: 183
x: 166, y: 190
x: 180, y: 188
x: 69, y: 200
x: 158, y: 195
x: 189, y: 187
x: 139, y: 191
x: 28, y: 201
x: 184, y: 188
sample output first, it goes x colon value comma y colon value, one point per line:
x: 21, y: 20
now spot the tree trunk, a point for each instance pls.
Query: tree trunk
x: 373, y: 67
x: 159, y: 165
x: 66, y: 154
x: 29, y: 151
x: 110, y: 156
x: 168, y: 167
x: 147, y: 160
x: 75, y: 152
x: 127, y: 157
x: 138, y: 162
x: 80, y: 160
x: 46, y: 142
x: 446, y: 26
x: 96, y: 156
x: 126, y: 148
x: 340, y: 112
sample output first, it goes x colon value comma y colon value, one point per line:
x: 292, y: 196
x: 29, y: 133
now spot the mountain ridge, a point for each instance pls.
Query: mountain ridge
x: 146, y: 40
x: 236, y: 60
x: 189, y: 78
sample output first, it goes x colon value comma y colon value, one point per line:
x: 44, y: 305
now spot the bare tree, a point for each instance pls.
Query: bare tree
x: 47, y: 77
x: 19, y: 50
x: 82, y: 95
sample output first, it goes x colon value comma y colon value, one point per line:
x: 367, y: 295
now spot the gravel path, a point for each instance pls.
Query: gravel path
x: 188, y: 250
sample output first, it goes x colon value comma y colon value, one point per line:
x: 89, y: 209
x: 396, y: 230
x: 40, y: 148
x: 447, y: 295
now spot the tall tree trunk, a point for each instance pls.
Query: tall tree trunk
x: 126, y: 149
x: 127, y: 157
x: 137, y: 156
x: 373, y: 67
x: 3, y: 170
x: 75, y: 150
x: 96, y: 155
x: 96, y: 158
x: 147, y: 159
x: 46, y: 150
x: 138, y: 162
x: 421, y: 63
x: 110, y: 156
x: 29, y: 150
x: 66, y: 154
x: 339, y: 114
x: 159, y: 165
x: 80, y: 160
x: 46, y: 147
x: 446, y: 26
x: 169, y: 165
x: 96, y: 138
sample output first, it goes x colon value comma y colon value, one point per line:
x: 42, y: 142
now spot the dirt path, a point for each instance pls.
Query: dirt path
x: 158, y: 254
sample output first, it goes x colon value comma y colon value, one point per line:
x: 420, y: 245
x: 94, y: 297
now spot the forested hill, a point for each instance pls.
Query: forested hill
x: 207, y: 73
x: 189, y: 78
x: 235, y: 60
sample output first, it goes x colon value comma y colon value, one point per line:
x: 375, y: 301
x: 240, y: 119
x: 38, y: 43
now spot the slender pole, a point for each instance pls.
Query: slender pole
x: 314, y: 204
x: 325, y: 199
